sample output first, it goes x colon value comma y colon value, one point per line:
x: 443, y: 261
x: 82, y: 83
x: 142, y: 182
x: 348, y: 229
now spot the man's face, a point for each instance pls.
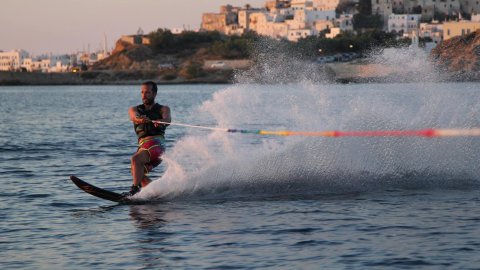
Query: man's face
x: 148, y: 96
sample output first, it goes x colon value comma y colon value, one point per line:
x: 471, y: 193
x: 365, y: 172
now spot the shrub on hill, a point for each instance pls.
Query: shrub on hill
x: 312, y: 46
x: 164, y: 41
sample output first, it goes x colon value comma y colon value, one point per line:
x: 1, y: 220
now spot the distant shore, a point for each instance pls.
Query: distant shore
x: 339, y: 73
x: 36, y: 78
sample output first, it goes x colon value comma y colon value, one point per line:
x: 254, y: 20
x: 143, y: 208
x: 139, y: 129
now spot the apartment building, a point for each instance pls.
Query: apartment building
x: 12, y: 60
x: 218, y: 21
x: 461, y: 28
x: 383, y: 8
x: 470, y: 6
x: 432, y: 30
x: 403, y: 23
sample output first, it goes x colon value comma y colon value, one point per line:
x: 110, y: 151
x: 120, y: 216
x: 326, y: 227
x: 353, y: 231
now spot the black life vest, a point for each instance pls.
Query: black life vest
x: 148, y: 129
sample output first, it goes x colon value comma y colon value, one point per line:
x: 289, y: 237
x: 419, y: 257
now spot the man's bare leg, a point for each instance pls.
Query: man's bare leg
x: 145, y: 181
x: 139, y: 160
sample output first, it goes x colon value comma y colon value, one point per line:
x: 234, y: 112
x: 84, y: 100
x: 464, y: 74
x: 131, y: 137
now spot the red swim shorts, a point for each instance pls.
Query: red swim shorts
x: 155, y: 148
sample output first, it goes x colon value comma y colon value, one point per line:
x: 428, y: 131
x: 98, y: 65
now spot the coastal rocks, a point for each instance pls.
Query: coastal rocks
x: 127, y: 56
x: 459, y: 57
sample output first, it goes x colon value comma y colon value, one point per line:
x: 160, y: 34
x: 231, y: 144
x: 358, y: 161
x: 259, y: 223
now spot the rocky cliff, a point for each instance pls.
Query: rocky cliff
x: 126, y: 56
x: 459, y: 57
x: 139, y: 62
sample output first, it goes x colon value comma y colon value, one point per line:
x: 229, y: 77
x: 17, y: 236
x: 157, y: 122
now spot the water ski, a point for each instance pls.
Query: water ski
x: 99, y: 192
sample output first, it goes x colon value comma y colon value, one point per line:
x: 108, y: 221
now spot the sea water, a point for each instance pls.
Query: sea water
x: 230, y: 200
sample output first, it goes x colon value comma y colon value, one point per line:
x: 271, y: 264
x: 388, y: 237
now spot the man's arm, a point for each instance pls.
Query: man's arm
x: 166, y: 114
x: 166, y: 117
x: 135, y: 117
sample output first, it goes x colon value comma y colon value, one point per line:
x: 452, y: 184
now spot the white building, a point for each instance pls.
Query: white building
x: 398, y: 6
x: 304, y: 19
x: 244, y: 18
x: 296, y: 34
x: 461, y: 28
x: 345, y: 22
x: 329, y: 4
x: 277, y: 30
x: 320, y: 26
x: 333, y: 32
x: 258, y: 22
x: 307, y: 20
x: 403, y: 23
x: 62, y: 63
x: 431, y: 9
x: 56, y: 63
x: 475, y: 17
x: 470, y: 6
x: 300, y: 4
x: 433, y: 30
x: 383, y: 8
x: 12, y: 60
x: 41, y: 65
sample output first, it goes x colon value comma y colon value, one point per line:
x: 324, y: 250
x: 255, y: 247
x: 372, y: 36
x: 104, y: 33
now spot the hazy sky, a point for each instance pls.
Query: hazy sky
x: 63, y: 26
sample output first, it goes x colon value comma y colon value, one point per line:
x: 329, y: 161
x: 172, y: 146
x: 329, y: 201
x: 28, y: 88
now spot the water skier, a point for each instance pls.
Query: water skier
x: 151, y: 136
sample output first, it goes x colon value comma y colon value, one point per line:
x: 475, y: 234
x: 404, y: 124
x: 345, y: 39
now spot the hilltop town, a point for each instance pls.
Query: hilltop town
x: 431, y: 20
x: 317, y: 31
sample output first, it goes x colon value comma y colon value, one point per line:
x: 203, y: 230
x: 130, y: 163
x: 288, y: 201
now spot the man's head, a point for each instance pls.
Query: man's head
x: 149, y: 92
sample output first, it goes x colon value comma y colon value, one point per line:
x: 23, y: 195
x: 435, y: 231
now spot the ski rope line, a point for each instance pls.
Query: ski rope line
x: 430, y: 133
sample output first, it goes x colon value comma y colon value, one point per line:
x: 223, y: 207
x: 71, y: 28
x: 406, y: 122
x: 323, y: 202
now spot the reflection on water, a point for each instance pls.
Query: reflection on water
x: 147, y: 216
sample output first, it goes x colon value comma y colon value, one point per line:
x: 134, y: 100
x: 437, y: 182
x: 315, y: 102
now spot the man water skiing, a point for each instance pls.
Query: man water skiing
x: 151, y: 140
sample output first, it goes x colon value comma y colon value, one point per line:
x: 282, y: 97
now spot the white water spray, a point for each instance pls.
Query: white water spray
x: 216, y: 164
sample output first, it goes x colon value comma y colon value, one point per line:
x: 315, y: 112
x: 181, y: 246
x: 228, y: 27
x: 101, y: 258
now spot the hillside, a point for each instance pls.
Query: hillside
x: 459, y: 57
x: 170, y: 58
x: 126, y: 56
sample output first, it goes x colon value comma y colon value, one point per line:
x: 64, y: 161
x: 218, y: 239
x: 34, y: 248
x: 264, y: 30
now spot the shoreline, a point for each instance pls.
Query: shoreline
x: 45, y: 79
x: 341, y: 73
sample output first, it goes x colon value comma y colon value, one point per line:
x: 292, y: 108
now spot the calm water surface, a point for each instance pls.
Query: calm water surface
x: 328, y: 204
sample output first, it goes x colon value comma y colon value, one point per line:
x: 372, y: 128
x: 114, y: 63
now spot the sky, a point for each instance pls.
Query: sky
x: 68, y: 26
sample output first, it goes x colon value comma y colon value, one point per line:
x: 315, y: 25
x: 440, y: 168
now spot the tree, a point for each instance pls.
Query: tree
x: 346, y: 7
x: 361, y: 21
x: 365, y: 7
x: 417, y: 10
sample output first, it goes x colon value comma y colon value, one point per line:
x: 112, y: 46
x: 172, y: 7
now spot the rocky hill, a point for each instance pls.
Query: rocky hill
x: 126, y: 56
x: 139, y: 62
x: 459, y: 57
